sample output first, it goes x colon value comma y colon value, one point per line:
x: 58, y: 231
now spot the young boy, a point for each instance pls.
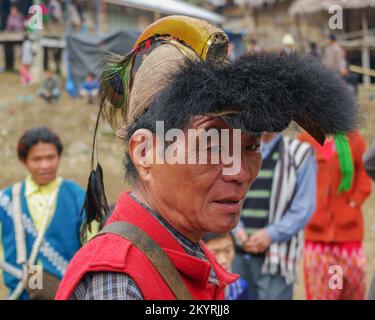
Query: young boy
x: 48, y: 207
x: 222, y: 245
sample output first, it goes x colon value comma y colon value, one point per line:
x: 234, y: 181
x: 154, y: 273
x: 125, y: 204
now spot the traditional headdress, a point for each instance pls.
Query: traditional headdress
x: 185, y: 72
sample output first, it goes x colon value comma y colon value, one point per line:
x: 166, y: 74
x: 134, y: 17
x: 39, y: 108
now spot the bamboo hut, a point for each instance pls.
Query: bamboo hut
x: 264, y: 20
x: 354, y: 11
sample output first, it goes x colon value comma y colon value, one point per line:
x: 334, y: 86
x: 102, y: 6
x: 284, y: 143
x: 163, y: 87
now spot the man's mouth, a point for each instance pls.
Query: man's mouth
x: 228, y: 201
x: 230, y: 205
x: 45, y: 175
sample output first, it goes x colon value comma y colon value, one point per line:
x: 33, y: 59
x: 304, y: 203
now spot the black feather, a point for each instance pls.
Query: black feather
x: 95, y: 205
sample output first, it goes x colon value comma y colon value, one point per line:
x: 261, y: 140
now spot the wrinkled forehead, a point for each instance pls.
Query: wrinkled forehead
x: 208, y: 122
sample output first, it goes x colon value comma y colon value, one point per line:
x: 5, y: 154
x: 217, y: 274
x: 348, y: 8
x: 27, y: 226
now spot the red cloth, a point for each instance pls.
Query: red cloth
x: 327, y: 150
x: 334, y: 219
x: 334, y: 271
x: 115, y: 254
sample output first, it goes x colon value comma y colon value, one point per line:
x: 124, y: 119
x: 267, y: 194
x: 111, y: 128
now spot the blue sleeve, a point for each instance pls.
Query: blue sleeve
x: 78, y: 195
x: 302, y: 207
x: 80, y: 198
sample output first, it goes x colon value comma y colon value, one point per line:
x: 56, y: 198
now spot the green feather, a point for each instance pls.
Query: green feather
x: 115, y: 87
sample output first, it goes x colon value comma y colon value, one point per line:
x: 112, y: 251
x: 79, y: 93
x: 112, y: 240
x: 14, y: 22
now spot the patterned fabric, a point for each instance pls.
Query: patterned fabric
x: 257, y: 203
x: 46, y: 249
x: 61, y: 240
x: 106, y: 285
x: 283, y: 256
x: 324, y: 284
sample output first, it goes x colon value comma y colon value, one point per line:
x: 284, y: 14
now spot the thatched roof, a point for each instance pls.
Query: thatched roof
x: 256, y: 3
x: 311, y: 6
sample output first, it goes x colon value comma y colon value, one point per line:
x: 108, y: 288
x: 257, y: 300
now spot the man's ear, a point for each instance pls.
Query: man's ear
x: 141, y: 151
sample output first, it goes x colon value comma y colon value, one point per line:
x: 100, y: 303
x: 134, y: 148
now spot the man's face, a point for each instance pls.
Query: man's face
x: 223, y: 249
x: 42, y: 162
x: 199, y: 198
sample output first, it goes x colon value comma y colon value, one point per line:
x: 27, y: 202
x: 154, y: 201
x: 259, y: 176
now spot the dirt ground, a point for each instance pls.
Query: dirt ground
x: 74, y: 120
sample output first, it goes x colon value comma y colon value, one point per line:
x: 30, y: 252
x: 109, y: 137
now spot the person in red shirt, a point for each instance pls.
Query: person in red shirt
x: 334, y: 262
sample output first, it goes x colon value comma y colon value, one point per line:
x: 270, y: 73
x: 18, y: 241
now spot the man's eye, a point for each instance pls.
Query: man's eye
x: 253, y: 147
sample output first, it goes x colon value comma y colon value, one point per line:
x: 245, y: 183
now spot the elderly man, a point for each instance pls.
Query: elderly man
x: 184, y: 186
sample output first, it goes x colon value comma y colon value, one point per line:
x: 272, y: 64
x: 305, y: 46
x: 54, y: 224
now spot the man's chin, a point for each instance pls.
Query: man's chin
x: 225, y: 227
x: 43, y: 180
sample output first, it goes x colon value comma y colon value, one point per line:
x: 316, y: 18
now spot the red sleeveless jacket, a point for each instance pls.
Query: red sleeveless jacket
x: 115, y: 254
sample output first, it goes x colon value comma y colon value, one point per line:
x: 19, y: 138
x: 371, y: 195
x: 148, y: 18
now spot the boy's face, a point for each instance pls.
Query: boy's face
x: 223, y: 249
x: 42, y: 162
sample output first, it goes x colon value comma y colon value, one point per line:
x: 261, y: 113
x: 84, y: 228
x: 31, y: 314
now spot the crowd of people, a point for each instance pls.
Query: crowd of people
x: 16, y: 18
x: 300, y: 198
x: 14, y: 15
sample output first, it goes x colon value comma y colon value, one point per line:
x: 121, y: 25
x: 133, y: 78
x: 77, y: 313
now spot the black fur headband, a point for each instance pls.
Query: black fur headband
x: 268, y: 91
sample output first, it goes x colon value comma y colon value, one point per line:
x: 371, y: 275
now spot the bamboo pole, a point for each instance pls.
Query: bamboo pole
x: 361, y: 70
x: 97, y: 16
x: 365, y: 48
x: 300, y: 40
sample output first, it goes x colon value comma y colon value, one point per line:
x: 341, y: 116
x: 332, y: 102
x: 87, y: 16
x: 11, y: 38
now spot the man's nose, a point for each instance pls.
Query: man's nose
x: 243, y: 175
x: 45, y: 163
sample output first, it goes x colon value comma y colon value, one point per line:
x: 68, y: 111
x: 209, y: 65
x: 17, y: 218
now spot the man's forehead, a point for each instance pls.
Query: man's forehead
x: 206, y: 123
x: 209, y: 122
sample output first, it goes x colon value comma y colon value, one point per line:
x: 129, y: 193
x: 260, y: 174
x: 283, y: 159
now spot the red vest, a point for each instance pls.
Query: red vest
x: 115, y: 254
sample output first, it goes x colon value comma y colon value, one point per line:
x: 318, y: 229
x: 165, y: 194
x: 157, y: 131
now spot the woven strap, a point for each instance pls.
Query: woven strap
x: 18, y: 224
x: 153, y: 252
